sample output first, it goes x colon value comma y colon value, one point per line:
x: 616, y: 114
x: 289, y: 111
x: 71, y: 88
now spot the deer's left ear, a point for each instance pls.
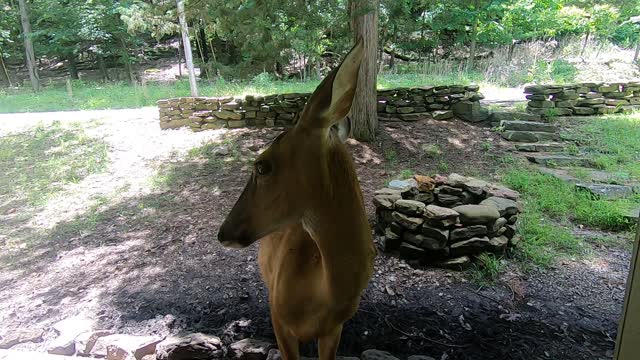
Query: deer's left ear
x: 332, y: 99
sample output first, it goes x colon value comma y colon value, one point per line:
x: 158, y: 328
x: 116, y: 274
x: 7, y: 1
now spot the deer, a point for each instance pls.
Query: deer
x: 304, y: 203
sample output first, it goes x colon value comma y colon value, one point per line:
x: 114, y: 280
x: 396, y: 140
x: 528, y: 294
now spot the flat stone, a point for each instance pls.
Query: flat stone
x: 588, y: 102
x: 121, y: 347
x: 548, y: 112
x: 191, y: 347
x: 410, y: 207
x: 529, y: 136
x: 411, y: 252
x: 31, y: 355
x: 607, y: 191
x: 425, y: 197
x: 402, y: 184
x: 410, y: 223
x: 557, y: 160
x: 471, y: 246
x: 477, y: 214
x: 415, y: 116
x: 528, y: 126
x: 377, y: 355
x: 458, y: 263
x: 468, y: 232
x: 470, y: 111
x: 410, y: 193
x: 442, y: 114
x: 448, y: 199
x: 85, y: 342
x: 425, y: 183
x: 497, y: 225
x: 542, y: 89
x: 476, y: 186
x: 435, y: 233
x: 424, y: 242
x: 538, y: 97
x: 583, y: 110
x: 499, y: 243
x: 540, y: 147
x: 227, y: 115
x: 510, y: 116
x: 14, y: 337
x: 510, y: 230
x: 544, y: 104
x: 250, y: 349
x: 506, y: 207
x: 502, y: 192
x: 385, y: 201
x: 434, y: 212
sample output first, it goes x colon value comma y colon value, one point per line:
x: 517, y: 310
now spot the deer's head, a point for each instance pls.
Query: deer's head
x: 293, y: 174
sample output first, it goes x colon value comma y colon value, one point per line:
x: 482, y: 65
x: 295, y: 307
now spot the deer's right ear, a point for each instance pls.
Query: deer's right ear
x: 332, y: 99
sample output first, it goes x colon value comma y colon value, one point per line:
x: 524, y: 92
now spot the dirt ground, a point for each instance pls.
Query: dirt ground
x: 135, y: 249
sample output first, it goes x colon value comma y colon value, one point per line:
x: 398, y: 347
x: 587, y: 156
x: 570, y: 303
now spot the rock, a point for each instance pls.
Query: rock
x: 377, y: 355
x: 542, y: 89
x: 415, y: 116
x: 274, y: 354
x: 506, y: 207
x: 476, y: 214
x: 384, y: 216
x: 410, y: 193
x: 392, y: 239
x: 405, y: 110
x: 385, y: 201
x: 442, y: 114
x: 424, y: 242
x: 502, y: 192
x: 433, y: 212
x: 62, y: 345
x: 410, y: 207
x: 497, y: 225
x: 541, y: 104
x: 14, y: 337
x: 476, y: 186
x: 425, y: 183
x: 470, y: 111
x: 221, y: 151
x: 589, y: 102
x: 499, y: 243
x: 458, y: 263
x: 250, y: 349
x: 512, y: 220
x: 387, y: 191
x: 549, y: 112
x: 529, y: 136
x: 191, y: 347
x: 607, y: 191
x: 528, y: 126
x: 557, y: 160
x: 124, y: 347
x: 445, y: 189
x: 407, y: 222
x: 498, y: 116
x: 468, y: 232
x: 85, y: 342
x: 510, y: 231
x: 583, y: 111
x: 540, y: 147
x: 402, y: 184
x: 435, y: 233
x: 411, y: 252
x: 448, y: 200
x: 566, y: 103
x: 425, y: 197
x: 471, y: 246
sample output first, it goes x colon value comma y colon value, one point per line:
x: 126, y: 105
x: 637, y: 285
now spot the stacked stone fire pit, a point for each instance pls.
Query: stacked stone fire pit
x: 446, y: 220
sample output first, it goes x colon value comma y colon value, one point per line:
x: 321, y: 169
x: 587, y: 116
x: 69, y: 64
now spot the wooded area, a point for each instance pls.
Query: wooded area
x: 279, y: 39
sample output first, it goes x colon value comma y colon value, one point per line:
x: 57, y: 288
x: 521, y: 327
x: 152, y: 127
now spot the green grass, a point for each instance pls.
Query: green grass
x: 93, y: 96
x: 487, y: 269
x: 37, y: 164
x: 552, y: 208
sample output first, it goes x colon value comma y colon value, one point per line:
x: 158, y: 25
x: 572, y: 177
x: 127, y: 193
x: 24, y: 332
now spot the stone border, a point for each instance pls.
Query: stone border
x: 402, y: 104
x: 583, y: 99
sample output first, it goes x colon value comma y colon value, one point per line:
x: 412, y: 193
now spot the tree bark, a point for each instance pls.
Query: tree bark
x: 586, y: 40
x: 103, y: 67
x: 4, y: 74
x: 474, y: 36
x: 73, y: 67
x: 28, y: 46
x: 364, y: 24
x: 635, y: 56
x: 188, y: 55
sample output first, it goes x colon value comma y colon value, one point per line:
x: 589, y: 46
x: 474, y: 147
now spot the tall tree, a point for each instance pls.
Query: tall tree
x: 364, y: 24
x: 188, y: 55
x: 28, y: 46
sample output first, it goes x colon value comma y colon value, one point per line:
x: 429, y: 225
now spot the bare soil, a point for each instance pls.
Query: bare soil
x: 147, y: 260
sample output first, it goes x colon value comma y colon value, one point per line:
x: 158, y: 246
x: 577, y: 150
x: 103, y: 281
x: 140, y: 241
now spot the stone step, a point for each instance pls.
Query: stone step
x: 633, y: 214
x: 529, y: 136
x: 555, y: 160
x: 541, y: 147
x: 528, y: 126
x: 607, y: 191
x: 498, y: 116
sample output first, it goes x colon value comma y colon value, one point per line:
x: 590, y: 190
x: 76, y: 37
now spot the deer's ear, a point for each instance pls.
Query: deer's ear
x: 332, y: 99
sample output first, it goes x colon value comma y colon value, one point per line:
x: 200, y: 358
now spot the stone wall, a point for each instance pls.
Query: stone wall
x: 443, y: 221
x: 583, y: 99
x: 406, y: 104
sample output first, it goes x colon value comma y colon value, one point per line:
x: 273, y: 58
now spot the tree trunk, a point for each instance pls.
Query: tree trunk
x: 4, y: 74
x: 586, y: 40
x: 474, y: 36
x: 635, y: 56
x: 73, y: 67
x: 364, y: 24
x: 204, y: 53
x: 180, y: 58
x: 188, y: 55
x: 103, y: 67
x: 28, y: 46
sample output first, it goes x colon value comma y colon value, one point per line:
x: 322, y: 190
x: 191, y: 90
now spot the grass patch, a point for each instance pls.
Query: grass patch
x: 486, y: 269
x: 37, y: 164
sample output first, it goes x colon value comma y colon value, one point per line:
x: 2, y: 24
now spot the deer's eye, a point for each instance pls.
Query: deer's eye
x: 263, y: 167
